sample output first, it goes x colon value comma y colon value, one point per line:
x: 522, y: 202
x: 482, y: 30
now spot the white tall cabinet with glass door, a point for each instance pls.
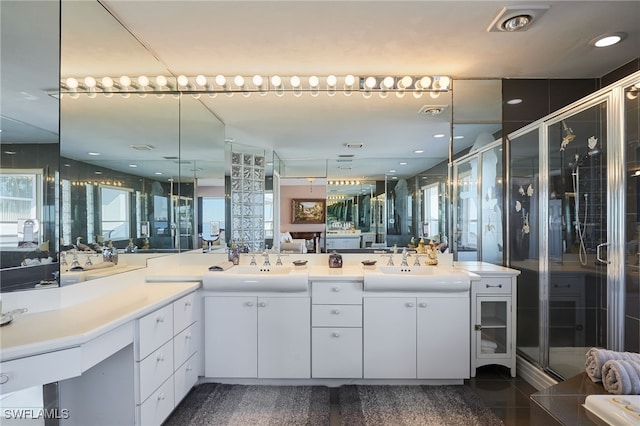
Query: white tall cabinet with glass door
x: 493, y: 317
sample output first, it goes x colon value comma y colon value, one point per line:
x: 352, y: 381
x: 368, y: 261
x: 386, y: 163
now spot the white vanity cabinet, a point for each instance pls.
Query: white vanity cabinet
x: 416, y: 337
x: 263, y: 337
x: 493, y: 335
x: 166, y: 358
x: 336, y: 335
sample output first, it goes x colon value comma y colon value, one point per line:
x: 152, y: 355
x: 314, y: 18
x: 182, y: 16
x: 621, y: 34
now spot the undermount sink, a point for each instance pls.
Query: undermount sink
x: 283, y: 279
x: 416, y: 278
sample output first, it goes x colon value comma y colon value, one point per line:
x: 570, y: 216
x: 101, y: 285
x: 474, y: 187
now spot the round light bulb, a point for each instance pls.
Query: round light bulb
x: 220, y: 80
x: 388, y: 82
x: 425, y: 82
x: 107, y: 82
x: 349, y: 80
x: 332, y: 80
x: 71, y: 83
x: 257, y: 80
x: 201, y: 80
x: 125, y: 81
x: 90, y: 82
x: 295, y: 81
x: 370, y: 82
x: 161, y: 80
x: 276, y: 81
x: 183, y: 80
x: 238, y: 80
x: 405, y: 82
x: 314, y: 81
x: 143, y: 81
x: 444, y: 82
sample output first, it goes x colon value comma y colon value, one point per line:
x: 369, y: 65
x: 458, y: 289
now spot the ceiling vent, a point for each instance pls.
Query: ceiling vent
x: 432, y: 109
x: 354, y: 145
x: 142, y: 147
x: 517, y: 17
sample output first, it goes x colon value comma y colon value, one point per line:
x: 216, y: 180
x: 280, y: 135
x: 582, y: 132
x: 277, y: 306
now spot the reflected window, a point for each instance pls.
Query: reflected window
x: 66, y: 211
x: 20, y: 200
x: 431, y: 207
x: 268, y: 214
x: 115, y: 222
x: 212, y: 217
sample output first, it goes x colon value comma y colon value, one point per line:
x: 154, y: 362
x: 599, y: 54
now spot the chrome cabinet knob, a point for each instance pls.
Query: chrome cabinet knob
x: 263, y: 304
x: 336, y: 311
x: 409, y: 305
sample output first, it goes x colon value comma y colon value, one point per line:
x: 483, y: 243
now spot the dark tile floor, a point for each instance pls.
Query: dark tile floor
x: 506, y: 396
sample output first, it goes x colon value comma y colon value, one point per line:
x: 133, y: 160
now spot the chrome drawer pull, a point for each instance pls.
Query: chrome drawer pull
x: 494, y: 286
x: 160, y: 358
x: 160, y: 318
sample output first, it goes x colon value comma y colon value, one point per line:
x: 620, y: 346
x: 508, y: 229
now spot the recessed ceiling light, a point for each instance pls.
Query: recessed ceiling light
x: 418, y: 151
x: 514, y: 101
x: 394, y: 177
x: 133, y: 165
x: 97, y: 172
x: 94, y: 154
x: 392, y: 171
x: 10, y: 152
x: 607, y: 40
x: 514, y: 18
x: 403, y: 163
x: 158, y: 173
x: 439, y: 135
x: 229, y: 139
x: 458, y: 137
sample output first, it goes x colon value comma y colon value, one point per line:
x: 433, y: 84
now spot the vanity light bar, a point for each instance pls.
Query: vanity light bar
x: 245, y: 85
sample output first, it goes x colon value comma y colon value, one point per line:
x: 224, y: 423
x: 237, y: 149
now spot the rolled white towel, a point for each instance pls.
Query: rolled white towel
x: 595, y: 359
x: 621, y: 377
x: 485, y: 343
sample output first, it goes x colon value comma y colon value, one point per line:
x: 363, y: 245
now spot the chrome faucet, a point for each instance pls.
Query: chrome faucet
x: 266, y: 259
x: 390, y: 261
x: 405, y: 254
x: 416, y: 262
x: 75, y: 261
x: 253, y: 260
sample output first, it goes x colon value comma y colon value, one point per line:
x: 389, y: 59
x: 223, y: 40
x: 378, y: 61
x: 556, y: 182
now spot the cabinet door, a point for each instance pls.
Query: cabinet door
x: 284, y: 337
x: 493, y: 327
x: 390, y: 338
x: 443, y: 338
x: 231, y: 339
x: 337, y: 352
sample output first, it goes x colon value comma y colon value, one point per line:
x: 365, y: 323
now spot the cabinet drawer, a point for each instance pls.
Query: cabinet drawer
x: 336, y: 353
x: 155, y: 369
x: 336, y: 316
x: 35, y: 370
x: 185, y: 377
x: 184, y: 312
x: 336, y: 292
x: 185, y: 344
x: 159, y: 405
x: 154, y: 330
x: 494, y: 286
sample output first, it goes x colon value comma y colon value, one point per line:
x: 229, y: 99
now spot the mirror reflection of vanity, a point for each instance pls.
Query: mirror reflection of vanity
x: 160, y: 156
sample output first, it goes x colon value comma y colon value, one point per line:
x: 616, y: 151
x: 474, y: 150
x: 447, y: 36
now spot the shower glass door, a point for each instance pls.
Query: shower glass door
x: 577, y: 237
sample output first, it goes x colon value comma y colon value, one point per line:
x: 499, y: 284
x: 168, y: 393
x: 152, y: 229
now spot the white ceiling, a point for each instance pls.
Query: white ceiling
x: 330, y: 37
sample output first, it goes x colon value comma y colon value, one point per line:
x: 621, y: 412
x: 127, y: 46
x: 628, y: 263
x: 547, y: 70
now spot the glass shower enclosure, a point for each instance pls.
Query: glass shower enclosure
x: 571, y: 227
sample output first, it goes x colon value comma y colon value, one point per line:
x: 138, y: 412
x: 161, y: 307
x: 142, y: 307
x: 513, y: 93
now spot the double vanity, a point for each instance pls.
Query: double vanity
x: 138, y: 341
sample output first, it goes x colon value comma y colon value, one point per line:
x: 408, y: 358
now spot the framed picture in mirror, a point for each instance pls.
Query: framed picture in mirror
x: 308, y: 211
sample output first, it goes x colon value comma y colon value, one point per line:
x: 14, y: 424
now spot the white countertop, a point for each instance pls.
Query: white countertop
x: 34, y: 333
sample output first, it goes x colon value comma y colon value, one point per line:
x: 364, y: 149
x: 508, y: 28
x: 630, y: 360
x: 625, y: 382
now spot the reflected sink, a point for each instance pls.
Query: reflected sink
x: 416, y: 278
x: 283, y: 279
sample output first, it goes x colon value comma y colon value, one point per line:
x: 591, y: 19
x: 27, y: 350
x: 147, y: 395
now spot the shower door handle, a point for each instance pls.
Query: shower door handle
x: 600, y: 259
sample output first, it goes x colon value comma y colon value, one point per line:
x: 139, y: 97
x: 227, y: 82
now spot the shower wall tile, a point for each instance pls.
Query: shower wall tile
x: 540, y: 97
x: 631, y: 334
x: 621, y: 72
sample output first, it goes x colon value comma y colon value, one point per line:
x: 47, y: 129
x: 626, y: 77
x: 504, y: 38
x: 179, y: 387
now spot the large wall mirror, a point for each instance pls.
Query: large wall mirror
x: 29, y: 61
x: 147, y: 170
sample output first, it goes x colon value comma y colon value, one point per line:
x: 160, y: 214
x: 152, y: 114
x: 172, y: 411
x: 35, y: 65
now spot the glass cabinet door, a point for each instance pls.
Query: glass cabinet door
x: 493, y: 323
